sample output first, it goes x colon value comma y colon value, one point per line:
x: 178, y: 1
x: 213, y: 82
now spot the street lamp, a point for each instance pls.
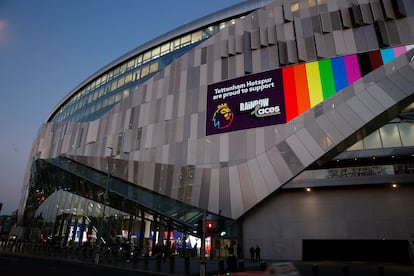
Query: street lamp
x: 101, y: 224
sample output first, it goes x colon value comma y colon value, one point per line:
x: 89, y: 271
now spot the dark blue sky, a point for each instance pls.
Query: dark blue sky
x: 47, y: 47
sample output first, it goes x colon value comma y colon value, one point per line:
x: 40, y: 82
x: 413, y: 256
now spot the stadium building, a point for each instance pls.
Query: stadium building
x: 286, y: 124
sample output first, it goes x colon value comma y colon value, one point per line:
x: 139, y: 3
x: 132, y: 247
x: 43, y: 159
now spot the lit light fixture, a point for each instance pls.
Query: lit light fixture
x: 394, y: 185
x: 373, y: 157
x: 308, y: 189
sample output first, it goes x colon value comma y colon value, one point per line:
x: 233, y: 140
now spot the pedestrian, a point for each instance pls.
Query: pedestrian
x: 257, y: 253
x: 252, y: 254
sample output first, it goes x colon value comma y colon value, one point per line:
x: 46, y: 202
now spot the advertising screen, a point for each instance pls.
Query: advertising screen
x: 246, y: 102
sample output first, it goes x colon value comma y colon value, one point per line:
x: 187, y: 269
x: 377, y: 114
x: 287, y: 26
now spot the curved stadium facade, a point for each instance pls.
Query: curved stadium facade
x: 287, y: 123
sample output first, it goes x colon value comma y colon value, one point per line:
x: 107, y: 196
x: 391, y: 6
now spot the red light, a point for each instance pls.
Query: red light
x: 209, y: 225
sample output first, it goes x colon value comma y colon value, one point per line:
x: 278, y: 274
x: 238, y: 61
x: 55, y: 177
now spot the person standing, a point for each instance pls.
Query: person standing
x: 252, y: 254
x: 257, y: 253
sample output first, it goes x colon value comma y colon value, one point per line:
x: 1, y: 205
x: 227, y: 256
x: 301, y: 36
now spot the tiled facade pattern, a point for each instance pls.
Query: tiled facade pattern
x: 158, y: 132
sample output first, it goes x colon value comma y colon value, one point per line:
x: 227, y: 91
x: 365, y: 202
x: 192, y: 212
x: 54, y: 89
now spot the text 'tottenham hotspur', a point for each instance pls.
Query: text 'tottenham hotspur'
x: 247, y: 87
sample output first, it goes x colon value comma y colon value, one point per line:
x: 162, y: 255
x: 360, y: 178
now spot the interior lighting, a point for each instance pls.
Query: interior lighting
x: 308, y: 189
x: 394, y: 185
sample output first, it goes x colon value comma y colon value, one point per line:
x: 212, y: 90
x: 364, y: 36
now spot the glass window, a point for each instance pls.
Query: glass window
x: 122, y: 69
x: 113, y: 85
x: 154, y: 67
x: 147, y: 56
x: 372, y: 141
x: 197, y: 36
x: 95, y: 95
x: 131, y: 64
x: 144, y: 71
x: 118, y: 97
x: 104, y: 102
x: 128, y: 78
x: 176, y: 44
x: 137, y: 74
x: 165, y: 48
x: 125, y: 94
x: 121, y: 81
x: 111, y: 100
x: 294, y: 7
x: 116, y: 71
x: 185, y: 40
x: 407, y: 134
x: 138, y: 60
x: 155, y: 53
x: 103, y: 78
x: 390, y: 136
x: 110, y: 74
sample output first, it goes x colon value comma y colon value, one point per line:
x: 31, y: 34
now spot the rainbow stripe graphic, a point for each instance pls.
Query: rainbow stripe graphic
x: 306, y: 85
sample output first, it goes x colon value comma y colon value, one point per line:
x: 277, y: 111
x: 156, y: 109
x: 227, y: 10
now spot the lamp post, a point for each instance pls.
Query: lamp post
x: 101, y: 224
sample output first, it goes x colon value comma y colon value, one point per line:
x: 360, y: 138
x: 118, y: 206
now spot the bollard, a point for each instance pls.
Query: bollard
x: 158, y: 264
x: 345, y: 269
x: 315, y: 269
x: 241, y: 265
x: 146, y: 262
x: 263, y: 266
x: 135, y: 260
x: 186, y: 265
x: 202, y: 268
x: 381, y: 270
x: 221, y: 266
x: 172, y: 264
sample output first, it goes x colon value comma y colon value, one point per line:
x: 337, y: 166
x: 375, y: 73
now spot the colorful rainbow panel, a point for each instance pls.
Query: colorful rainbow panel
x: 306, y: 85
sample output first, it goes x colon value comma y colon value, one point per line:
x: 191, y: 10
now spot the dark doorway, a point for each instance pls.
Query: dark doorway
x: 397, y: 251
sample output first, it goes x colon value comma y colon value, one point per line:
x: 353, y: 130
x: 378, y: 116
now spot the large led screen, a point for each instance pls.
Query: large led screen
x: 247, y: 102
x: 280, y: 95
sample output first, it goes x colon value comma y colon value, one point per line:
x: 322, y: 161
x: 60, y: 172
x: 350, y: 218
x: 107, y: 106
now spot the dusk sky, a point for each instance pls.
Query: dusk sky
x: 47, y: 47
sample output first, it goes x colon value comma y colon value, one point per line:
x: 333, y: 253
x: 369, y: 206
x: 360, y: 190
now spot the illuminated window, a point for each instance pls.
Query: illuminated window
x: 122, y: 69
x: 114, y: 86
x: 128, y: 78
x: 125, y: 93
x: 165, y: 48
x: 294, y: 7
x: 197, y: 36
x: 138, y: 60
x: 116, y: 71
x: 147, y: 56
x: 154, y: 67
x: 185, y: 40
x: 136, y: 75
x: 118, y: 97
x: 95, y: 95
x: 176, y: 44
x: 155, y: 53
x: 121, y: 81
x: 144, y: 71
x: 131, y: 64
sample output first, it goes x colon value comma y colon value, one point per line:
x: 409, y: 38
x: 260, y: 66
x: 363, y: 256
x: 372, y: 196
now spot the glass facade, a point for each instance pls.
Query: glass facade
x: 66, y: 205
x: 100, y: 95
